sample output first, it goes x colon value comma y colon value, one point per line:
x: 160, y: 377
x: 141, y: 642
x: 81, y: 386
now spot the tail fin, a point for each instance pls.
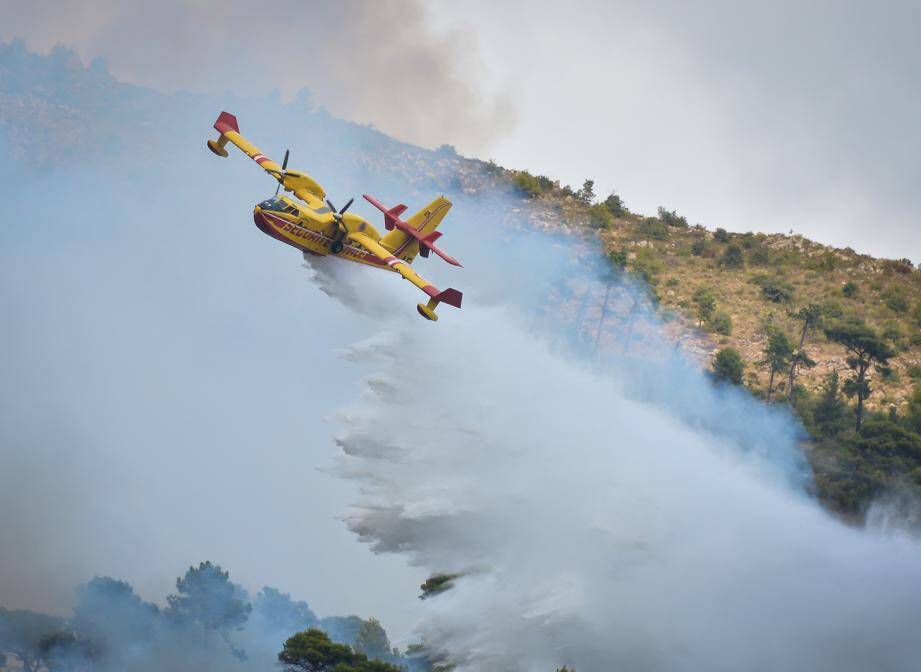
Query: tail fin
x: 450, y: 296
x: 425, y: 221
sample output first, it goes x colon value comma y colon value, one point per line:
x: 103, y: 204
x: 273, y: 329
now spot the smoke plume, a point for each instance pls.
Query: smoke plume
x: 613, y: 514
x: 364, y: 61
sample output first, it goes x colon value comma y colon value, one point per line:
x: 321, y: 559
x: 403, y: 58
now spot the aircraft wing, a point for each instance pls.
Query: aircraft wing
x: 300, y: 184
x: 450, y: 296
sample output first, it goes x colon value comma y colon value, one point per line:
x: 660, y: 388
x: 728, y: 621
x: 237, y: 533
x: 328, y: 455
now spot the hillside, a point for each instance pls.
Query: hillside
x: 717, y: 291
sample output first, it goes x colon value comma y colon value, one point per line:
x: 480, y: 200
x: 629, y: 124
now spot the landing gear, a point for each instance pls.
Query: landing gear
x: 336, y: 247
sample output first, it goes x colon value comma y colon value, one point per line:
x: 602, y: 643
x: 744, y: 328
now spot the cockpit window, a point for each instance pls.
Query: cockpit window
x: 275, y: 204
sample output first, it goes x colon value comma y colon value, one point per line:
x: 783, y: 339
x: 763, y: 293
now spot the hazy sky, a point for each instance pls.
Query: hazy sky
x: 759, y: 116
x: 765, y: 116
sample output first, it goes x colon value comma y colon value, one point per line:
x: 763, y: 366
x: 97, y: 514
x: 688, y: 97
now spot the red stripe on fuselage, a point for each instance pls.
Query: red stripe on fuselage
x: 275, y: 227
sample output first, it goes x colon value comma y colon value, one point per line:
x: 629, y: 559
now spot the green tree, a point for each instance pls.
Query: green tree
x: 206, y: 596
x: 21, y: 634
x: 810, y: 316
x: 728, y: 366
x: 850, y: 289
x: 866, y: 348
x: 437, y: 583
x: 830, y: 412
x: 778, y: 353
x: 587, y: 193
x: 312, y: 651
x: 721, y: 235
x: 706, y: 304
x: 615, y: 205
x: 63, y: 652
x: 372, y: 640
x: 276, y: 612
x: 106, y: 606
x: 913, y: 414
x: 857, y: 467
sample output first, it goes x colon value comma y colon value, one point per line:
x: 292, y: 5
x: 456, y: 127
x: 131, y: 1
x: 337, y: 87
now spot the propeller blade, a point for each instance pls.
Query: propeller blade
x: 331, y: 206
x: 351, y: 200
x: 281, y: 176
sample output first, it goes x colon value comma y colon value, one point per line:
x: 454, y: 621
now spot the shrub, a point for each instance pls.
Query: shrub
x: 698, y: 247
x: 896, y: 300
x: 893, y: 331
x: 832, y: 309
x: 759, y: 256
x: 527, y: 184
x: 914, y: 372
x: 889, y: 374
x: 728, y: 366
x: 721, y: 323
x: 619, y: 258
x: 721, y: 236
x: 654, y: 228
x: 647, y: 265
x: 672, y: 219
x: 732, y: 257
x: 903, y: 266
x: 774, y: 289
x: 600, y: 216
x: 850, y: 289
x: 672, y: 282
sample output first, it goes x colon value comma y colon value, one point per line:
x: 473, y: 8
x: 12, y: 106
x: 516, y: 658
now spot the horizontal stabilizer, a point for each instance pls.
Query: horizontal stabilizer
x: 426, y: 240
x: 391, y: 215
x: 450, y: 296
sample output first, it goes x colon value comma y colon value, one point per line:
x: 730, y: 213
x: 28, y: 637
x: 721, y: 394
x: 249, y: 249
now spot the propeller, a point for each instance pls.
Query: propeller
x: 341, y: 232
x: 284, y: 165
x: 337, y: 214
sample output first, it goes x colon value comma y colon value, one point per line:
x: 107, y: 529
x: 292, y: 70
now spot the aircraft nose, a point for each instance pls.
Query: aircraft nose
x: 260, y: 220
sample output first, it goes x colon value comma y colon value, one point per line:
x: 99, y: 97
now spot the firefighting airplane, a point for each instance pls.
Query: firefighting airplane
x: 317, y: 227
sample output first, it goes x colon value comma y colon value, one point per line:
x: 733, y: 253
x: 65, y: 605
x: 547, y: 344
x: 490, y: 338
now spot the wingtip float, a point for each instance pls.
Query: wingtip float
x: 312, y: 224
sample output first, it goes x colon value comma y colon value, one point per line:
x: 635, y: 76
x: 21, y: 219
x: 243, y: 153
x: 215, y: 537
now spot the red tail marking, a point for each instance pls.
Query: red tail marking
x: 450, y: 296
x: 226, y: 122
x: 392, y: 219
x: 391, y: 215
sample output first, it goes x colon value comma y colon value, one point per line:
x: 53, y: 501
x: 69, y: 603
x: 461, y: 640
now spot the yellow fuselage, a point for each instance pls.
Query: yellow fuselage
x: 314, y: 230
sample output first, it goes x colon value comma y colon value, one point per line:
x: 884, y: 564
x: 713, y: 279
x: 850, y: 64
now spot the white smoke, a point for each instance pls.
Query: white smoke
x: 636, y: 519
